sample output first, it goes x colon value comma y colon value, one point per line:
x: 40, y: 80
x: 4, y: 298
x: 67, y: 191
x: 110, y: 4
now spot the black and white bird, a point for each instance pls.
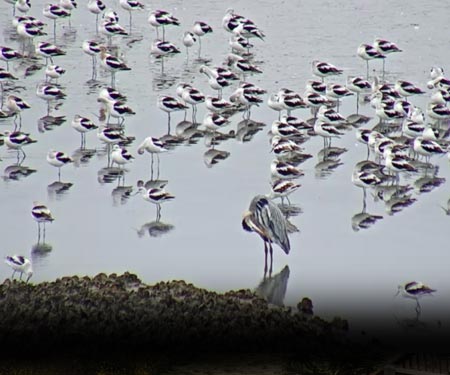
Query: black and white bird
x: 42, y: 215
x: 170, y: 104
x: 53, y: 72
x: 96, y: 7
x: 131, y: 6
x: 241, y: 66
x: 8, y: 54
x: 112, y: 64
x: 415, y: 290
x: 405, y: 88
x: 201, y: 29
x: 58, y: 159
x: 121, y: 155
x: 156, y: 196
x: 19, y: 264
x: 218, y: 105
x: 116, y: 109
x: 326, y: 131
x: 283, y: 170
x: 385, y: 47
x: 161, y: 48
x: 15, y: 106
x: 83, y: 125
x: 17, y: 140
x: 368, y: 52
x: 323, y: 69
x: 162, y: 18
x: 54, y: 12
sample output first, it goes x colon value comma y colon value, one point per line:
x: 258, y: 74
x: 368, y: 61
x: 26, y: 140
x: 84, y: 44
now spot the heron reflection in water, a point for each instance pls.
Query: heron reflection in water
x: 265, y: 218
x: 273, y: 288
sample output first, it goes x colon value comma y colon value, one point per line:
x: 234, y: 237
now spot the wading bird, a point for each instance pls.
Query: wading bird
x: 265, y: 218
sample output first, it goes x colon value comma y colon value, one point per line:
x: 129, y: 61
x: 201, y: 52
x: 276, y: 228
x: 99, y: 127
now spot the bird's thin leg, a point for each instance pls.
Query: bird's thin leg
x: 12, y: 276
x: 357, y: 102
x: 151, y: 167
x: 130, y: 21
x: 367, y: 66
x: 168, y: 123
x: 265, y: 257
x: 158, y: 212
x: 1, y: 87
x: 418, y: 307
x: 109, y: 155
x: 364, y: 199
x: 20, y: 277
x: 157, y: 173
x: 199, y: 47
x: 162, y: 65
x: 271, y: 259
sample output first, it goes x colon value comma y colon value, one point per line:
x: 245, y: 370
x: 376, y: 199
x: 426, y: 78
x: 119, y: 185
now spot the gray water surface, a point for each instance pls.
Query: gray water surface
x: 344, y: 272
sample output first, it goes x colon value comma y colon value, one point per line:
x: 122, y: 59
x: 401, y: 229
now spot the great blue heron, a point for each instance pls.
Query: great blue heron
x: 265, y: 218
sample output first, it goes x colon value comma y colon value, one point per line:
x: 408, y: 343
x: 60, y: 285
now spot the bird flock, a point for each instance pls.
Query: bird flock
x: 403, y: 143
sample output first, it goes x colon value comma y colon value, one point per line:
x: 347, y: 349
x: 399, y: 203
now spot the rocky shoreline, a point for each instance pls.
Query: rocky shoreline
x: 108, y: 311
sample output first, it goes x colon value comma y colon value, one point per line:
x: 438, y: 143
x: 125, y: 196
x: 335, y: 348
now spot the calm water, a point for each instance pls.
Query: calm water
x: 344, y: 272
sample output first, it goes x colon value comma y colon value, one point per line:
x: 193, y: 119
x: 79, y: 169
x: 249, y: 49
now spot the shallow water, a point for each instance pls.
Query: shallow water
x: 345, y: 272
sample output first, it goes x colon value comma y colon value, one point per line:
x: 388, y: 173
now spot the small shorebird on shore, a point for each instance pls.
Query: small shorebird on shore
x: 19, y: 264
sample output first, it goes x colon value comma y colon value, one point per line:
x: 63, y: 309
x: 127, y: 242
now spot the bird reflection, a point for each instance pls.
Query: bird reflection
x: 246, y: 130
x: 357, y: 120
x: 213, y: 139
x: 82, y: 156
x: 39, y: 251
x: 273, y: 288
x: 17, y: 172
x: 154, y: 229
x: 49, y: 122
x: 188, y: 132
x: 213, y: 156
x: 426, y: 184
x: 447, y: 208
x: 326, y: 165
x: 364, y: 220
x: 163, y: 81
x: 328, y: 160
x: 121, y: 194
x: 331, y: 152
x: 108, y: 175
x: 399, y: 202
x: 289, y: 209
x: 58, y: 189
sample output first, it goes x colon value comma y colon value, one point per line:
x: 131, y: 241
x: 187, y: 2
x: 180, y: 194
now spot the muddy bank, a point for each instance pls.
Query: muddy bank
x: 110, y: 311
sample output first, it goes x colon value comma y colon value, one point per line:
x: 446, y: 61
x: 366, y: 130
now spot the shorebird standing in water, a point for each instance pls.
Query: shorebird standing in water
x: 265, y: 218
